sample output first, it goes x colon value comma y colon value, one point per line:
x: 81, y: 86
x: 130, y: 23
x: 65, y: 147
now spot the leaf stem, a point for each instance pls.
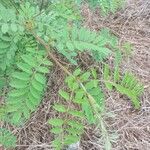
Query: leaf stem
x: 94, y: 105
x: 47, y: 47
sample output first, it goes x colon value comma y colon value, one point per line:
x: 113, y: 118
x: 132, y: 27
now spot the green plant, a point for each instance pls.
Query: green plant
x: 107, y: 6
x: 74, y: 40
x: 84, y: 93
x: 7, y: 139
x: 31, y: 34
x: 127, y: 85
x: 27, y: 84
x: 127, y: 48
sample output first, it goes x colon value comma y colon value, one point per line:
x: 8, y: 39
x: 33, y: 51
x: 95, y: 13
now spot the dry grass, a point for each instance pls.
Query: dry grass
x: 133, y: 25
x: 132, y: 127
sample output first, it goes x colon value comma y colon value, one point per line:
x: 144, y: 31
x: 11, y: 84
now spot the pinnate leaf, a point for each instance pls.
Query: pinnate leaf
x: 60, y: 108
x: 64, y: 94
x: 56, y: 122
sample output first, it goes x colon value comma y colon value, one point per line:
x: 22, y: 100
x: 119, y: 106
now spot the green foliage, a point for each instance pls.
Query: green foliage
x: 107, y: 77
x: 2, y: 82
x: 67, y: 10
x: 73, y: 39
x: 69, y: 129
x: 10, y: 35
x: 27, y: 85
x: 112, y: 6
x: 127, y: 48
x: 127, y: 85
x: 7, y: 51
x: 91, y: 84
x: 51, y: 22
x: 107, y: 6
x: 7, y: 139
x: 9, y: 21
x: 60, y: 29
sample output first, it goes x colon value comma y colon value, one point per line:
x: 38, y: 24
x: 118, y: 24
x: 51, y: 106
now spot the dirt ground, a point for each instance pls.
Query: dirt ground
x: 132, y: 127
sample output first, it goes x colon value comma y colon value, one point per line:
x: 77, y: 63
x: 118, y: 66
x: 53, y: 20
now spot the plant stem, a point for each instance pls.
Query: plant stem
x: 47, y: 47
x: 94, y: 105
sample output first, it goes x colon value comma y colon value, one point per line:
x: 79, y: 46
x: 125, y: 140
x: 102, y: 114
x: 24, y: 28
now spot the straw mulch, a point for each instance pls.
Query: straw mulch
x: 132, y: 127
